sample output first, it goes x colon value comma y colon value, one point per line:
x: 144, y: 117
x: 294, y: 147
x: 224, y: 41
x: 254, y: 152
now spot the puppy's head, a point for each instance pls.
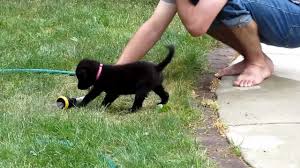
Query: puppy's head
x: 86, y: 72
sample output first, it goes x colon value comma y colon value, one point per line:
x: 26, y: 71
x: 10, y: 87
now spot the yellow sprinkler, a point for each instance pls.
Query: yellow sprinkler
x: 64, y: 102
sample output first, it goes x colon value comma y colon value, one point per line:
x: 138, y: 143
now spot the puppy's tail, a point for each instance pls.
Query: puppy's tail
x: 167, y: 60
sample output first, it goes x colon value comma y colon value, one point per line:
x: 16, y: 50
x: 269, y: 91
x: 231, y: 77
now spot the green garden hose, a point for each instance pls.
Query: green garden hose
x: 47, y: 71
x: 59, y: 72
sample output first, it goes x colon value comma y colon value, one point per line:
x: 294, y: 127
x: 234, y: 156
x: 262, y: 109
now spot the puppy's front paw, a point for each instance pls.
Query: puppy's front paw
x: 80, y: 105
x: 133, y: 110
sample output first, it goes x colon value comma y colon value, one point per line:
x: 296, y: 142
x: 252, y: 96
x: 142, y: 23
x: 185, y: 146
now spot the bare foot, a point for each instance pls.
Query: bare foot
x: 239, y: 67
x: 254, y: 74
x: 235, y: 69
x: 269, y: 63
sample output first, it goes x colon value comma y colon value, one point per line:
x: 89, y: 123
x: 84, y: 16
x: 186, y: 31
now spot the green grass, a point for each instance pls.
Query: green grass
x: 57, y: 34
x: 236, y: 150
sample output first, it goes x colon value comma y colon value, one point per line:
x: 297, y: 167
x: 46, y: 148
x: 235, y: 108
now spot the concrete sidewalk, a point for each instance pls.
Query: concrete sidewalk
x: 264, y: 121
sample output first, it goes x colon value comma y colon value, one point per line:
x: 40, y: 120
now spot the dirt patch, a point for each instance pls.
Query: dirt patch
x: 211, y: 134
x: 221, y: 57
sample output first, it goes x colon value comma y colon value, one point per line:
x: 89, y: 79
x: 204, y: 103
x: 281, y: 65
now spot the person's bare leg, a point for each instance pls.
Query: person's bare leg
x: 226, y: 36
x: 256, y: 66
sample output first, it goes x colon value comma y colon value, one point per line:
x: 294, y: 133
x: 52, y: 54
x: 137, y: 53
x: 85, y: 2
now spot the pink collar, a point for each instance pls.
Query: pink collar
x: 99, y: 71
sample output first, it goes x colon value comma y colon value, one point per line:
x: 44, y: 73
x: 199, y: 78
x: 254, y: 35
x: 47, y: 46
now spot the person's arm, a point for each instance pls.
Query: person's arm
x: 197, y: 19
x: 149, y: 33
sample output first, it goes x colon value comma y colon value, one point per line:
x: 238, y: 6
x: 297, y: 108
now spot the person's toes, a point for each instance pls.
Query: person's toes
x: 255, y: 83
x: 244, y: 83
x: 241, y: 83
x: 249, y: 83
x: 237, y: 82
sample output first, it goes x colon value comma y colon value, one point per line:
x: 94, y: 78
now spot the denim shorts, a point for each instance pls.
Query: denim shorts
x: 278, y: 21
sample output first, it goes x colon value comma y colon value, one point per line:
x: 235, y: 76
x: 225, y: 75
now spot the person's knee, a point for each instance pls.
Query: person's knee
x: 252, y: 26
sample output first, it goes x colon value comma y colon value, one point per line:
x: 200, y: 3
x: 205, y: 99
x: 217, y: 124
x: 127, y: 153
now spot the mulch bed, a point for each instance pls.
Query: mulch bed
x: 216, y: 144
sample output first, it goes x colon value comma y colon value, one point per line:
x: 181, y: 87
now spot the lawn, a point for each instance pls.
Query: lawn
x: 57, y: 34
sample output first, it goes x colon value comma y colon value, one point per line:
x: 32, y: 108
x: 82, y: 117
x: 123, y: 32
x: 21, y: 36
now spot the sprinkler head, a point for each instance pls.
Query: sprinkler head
x: 64, y: 102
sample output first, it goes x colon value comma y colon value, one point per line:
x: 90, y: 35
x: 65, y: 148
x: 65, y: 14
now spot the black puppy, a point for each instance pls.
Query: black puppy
x: 137, y: 78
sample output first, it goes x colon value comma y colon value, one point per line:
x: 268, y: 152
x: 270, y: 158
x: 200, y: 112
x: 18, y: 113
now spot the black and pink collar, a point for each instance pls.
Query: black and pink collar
x: 99, y: 71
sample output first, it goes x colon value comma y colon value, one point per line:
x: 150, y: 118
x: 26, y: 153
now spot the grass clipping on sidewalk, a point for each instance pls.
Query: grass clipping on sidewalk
x: 56, y: 35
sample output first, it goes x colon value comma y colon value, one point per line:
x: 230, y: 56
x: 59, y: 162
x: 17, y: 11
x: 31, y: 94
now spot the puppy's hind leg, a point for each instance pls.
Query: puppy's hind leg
x: 109, y: 99
x: 160, y: 91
